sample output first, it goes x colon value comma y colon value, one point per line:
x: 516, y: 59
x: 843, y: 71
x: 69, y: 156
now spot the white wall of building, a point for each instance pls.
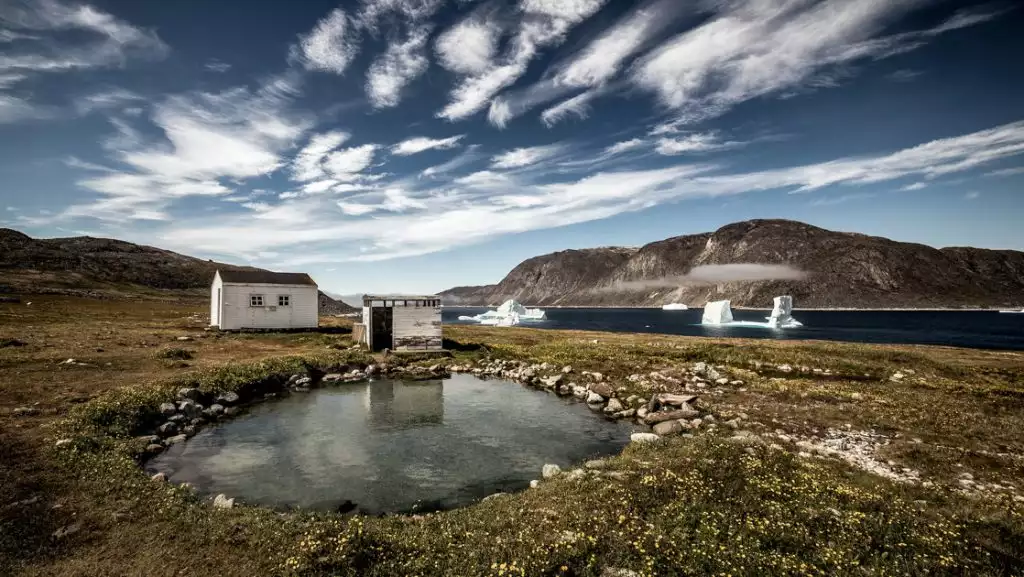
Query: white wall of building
x: 215, y: 300
x: 236, y: 312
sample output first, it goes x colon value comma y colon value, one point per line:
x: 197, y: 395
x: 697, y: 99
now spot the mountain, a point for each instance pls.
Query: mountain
x: 100, y: 266
x: 820, y: 268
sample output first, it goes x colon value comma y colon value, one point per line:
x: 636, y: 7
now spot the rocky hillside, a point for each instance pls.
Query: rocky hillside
x: 834, y: 269
x: 99, y: 266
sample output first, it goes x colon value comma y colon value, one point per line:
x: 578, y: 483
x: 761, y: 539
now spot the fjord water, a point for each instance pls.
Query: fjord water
x: 972, y: 329
x: 391, y: 445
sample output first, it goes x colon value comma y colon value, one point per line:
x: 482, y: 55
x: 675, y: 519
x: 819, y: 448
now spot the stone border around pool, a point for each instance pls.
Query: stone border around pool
x: 665, y: 413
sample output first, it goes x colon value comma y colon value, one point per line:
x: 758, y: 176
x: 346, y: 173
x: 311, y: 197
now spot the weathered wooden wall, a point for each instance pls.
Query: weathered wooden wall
x: 417, y: 328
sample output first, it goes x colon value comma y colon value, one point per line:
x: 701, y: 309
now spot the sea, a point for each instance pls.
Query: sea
x: 970, y: 329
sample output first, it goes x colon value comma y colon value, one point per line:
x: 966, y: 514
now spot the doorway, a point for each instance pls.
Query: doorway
x: 381, y: 322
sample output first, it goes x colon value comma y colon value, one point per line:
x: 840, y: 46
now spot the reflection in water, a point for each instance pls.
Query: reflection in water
x: 391, y: 445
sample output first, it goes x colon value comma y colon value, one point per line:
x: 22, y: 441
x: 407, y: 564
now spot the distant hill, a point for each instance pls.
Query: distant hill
x: 840, y: 270
x: 100, y: 266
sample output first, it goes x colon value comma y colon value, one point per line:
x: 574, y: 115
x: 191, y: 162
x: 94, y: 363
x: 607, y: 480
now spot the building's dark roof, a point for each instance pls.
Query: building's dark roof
x: 265, y: 277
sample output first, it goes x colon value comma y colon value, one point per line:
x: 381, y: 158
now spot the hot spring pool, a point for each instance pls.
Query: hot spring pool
x: 391, y: 445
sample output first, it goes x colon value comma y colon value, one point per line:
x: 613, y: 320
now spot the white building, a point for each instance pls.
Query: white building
x: 402, y: 322
x: 255, y: 299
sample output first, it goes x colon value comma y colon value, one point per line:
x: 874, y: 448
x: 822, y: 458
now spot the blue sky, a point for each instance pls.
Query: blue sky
x: 415, y: 145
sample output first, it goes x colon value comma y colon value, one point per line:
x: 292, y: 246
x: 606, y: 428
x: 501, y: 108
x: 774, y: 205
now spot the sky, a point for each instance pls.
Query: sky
x: 417, y: 145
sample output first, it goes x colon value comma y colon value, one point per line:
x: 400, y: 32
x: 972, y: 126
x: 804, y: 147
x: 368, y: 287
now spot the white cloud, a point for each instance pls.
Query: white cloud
x: 914, y: 186
x: 419, y: 144
x: 107, y: 99
x: 469, y: 46
x: 593, y: 66
x: 75, y: 162
x: 13, y: 109
x: 400, y: 64
x: 543, y: 23
x: 625, y: 146
x: 843, y: 199
x: 308, y: 163
x: 972, y: 195
x: 346, y: 164
x: 525, y: 156
x: 577, y: 105
x: 1006, y: 172
x: 217, y: 66
x: 694, y: 143
x: 752, y: 48
x: 331, y: 45
x: 373, y: 11
x: 469, y: 156
x: 102, y: 40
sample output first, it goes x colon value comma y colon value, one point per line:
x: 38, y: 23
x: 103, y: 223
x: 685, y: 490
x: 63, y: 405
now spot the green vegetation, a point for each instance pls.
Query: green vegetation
x: 176, y: 354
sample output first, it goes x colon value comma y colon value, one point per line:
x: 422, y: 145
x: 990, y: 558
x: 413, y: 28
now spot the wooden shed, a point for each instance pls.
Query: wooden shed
x: 402, y: 322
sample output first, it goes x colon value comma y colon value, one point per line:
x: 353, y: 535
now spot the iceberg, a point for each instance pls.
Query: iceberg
x: 1021, y: 311
x: 717, y: 313
x: 674, y: 307
x: 782, y: 314
x: 509, y: 314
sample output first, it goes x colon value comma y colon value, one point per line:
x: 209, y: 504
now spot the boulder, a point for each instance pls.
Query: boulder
x: 178, y: 418
x: 190, y: 408
x: 552, y: 381
x: 167, y: 429
x: 684, y: 412
x: 154, y: 448
x: 227, y: 399
x: 668, y: 428
x: 575, y: 474
x: 549, y: 471
x: 613, y: 406
x: 168, y: 409
x: 26, y: 411
x: 175, y: 440
x: 303, y: 382
x: 603, y: 389
x: 567, y: 369
x: 643, y: 437
x: 159, y: 478
x: 534, y: 484
x: 231, y: 411
x: 641, y: 412
x: 618, y: 572
x: 596, y: 464
x: 190, y: 393
x: 222, y: 502
x: 216, y: 408
x: 148, y: 439
x: 594, y: 398
x: 626, y: 414
x: 580, y: 392
x: 564, y: 390
x: 189, y: 430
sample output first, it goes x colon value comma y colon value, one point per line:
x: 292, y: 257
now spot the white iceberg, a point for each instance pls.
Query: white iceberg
x: 674, y: 307
x: 717, y: 313
x: 510, y: 313
x: 782, y: 314
x: 1021, y: 311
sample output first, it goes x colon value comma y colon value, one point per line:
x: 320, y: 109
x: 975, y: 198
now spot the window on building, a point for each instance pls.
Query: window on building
x: 283, y: 300
x: 255, y: 300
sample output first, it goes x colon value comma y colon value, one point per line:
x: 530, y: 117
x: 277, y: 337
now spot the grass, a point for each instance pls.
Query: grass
x: 708, y: 505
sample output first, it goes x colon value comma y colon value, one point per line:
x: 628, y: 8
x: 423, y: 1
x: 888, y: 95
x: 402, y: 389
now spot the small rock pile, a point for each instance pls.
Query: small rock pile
x: 858, y: 448
x: 186, y: 415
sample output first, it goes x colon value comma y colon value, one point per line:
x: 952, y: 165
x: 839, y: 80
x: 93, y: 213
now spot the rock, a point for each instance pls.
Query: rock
x: 216, y: 409
x: 154, y: 448
x: 684, y: 412
x: 332, y: 378
x: 967, y: 476
x: 626, y: 414
x: 227, y: 399
x: 613, y: 406
x: 148, y: 439
x: 190, y: 408
x: 641, y: 412
x: 619, y: 475
x: 175, y: 440
x: 733, y: 424
x: 566, y: 369
x: 178, y: 419
x: 643, y: 437
x: 190, y: 393
x: 618, y: 572
x: 159, y: 478
x: 491, y: 497
x: 597, y: 376
x: 564, y: 390
x: 62, y: 442
x: 744, y: 437
x: 168, y: 409
x: 68, y: 530
x: 596, y: 464
x: 167, y: 429
x: 785, y: 368
x: 602, y: 389
x: 534, y: 484
x: 231, y: 411
x: 550, y: 382
x: 372, y: 370
x: 897, y: 377
x: 222, y: 502
x: 549, y: 471
x: 594, y: 398
x: 722, y: 381
x: 580, y: 392
x: 575, y: 474
x: 303, y: 382
x: 184, y: 339
x: 26, y: 411
x: 189, y: 430
x: 668, y: 428
x: 299, y: 390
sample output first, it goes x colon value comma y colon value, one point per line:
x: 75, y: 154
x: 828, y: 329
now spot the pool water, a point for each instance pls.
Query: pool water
x: 391, y: 445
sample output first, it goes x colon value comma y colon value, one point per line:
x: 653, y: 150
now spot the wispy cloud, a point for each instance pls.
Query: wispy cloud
x: 418, y: 144
x: 469, y: 46
x: 695, y: 143
x: 330, y: 46
x: 972, y: 195
x: 843, y: 199
x: 1006, y: 171
x: 401, y: 63
x: 578, y: 106
x: 914, y: 186
x: 217, y: 66
x: 525, y: 156
x: 105, y: 100
x: 467, y: 157
x: 752, y: 48
x: 542, y: 23
x: 905, y: 75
